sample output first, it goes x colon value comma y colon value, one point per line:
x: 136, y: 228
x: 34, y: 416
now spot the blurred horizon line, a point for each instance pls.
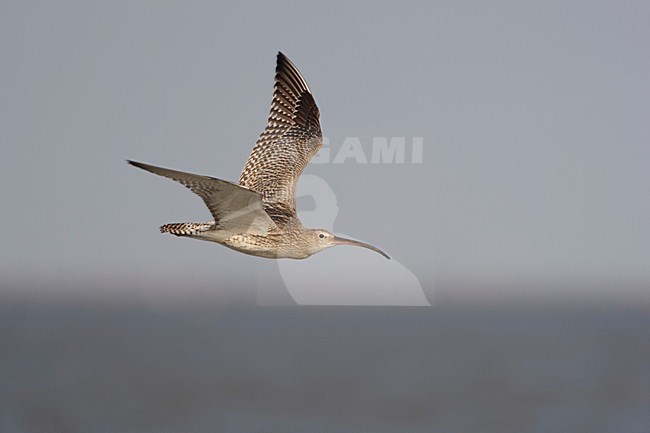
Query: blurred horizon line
x: 448, y: 293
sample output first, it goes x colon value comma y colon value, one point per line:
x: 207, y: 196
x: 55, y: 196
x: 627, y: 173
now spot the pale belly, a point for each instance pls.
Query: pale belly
x: 254, y: 247
x: 269, y: 246
x: 259, y: 246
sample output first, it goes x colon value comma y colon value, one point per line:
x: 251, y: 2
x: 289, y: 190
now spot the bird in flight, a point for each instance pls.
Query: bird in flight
x: 258, y: 215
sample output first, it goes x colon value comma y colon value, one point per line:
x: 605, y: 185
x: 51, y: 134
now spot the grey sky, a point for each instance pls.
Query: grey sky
x: 534, y: 117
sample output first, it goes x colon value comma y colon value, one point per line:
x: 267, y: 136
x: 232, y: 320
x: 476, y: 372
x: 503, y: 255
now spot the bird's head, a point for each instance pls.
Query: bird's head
x: 322, y: 239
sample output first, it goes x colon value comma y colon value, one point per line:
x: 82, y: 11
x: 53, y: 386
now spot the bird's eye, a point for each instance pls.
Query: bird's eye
x: 321, y: 235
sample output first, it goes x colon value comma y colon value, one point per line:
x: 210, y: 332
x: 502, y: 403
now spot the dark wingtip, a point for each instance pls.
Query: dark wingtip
x: 137, y: 164
x: 281, y: 59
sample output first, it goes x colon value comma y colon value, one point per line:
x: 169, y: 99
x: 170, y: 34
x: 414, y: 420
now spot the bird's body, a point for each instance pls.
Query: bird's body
x: 290, y: 243
x: 258, y: 215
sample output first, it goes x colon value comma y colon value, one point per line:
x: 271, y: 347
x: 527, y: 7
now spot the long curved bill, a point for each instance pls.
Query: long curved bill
x: 344, y: 241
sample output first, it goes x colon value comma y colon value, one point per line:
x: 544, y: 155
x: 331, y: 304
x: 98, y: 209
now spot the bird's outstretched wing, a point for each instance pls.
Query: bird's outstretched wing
x: 291, y: 138
x: 234, y: 208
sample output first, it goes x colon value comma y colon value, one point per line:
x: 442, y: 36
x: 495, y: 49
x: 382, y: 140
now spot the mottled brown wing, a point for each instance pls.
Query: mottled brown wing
x: 291, y: 138
x: 234, y: 208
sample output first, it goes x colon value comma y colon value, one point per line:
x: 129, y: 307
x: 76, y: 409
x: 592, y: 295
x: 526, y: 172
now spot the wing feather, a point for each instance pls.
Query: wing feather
x: 291, y: 138
x: 234, y: 207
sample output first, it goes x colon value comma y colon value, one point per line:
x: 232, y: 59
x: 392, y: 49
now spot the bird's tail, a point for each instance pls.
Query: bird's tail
x: 186, y: 229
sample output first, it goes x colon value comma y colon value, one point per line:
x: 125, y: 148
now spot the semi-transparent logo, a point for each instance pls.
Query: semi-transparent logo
x: 378, y: 150
x: 340, y: 275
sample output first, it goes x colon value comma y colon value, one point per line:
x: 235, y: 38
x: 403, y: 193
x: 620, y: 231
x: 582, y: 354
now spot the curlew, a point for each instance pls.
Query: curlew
x: 258, y: 215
